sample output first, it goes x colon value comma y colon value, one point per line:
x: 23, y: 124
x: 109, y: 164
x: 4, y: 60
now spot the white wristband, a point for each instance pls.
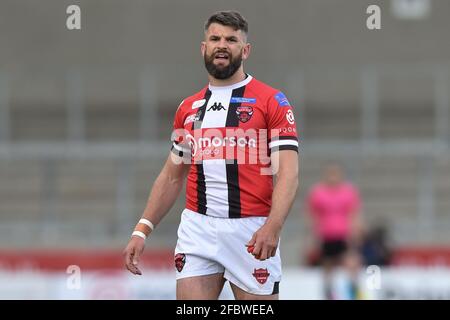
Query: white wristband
x: 139, y: 234
x: 148, y: 223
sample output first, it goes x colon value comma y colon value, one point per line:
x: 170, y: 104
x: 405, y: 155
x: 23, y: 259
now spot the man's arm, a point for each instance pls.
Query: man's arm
x: 265, y: 240
x: 165, y: 190
x: 163, y: 195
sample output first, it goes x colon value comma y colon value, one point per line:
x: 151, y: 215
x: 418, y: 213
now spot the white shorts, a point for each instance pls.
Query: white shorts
x: 208, y: 245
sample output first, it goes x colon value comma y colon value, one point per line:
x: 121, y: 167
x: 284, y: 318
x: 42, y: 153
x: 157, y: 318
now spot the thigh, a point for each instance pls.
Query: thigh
x: 196, y: 247
x: 242, y: 269
x: 206, y: 287
x: 240, y: 294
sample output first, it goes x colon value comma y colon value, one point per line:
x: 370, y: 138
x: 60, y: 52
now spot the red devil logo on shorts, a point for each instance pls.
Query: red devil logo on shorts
x: 244, y: 113
x: 261, y: 275
x: 180, y: 259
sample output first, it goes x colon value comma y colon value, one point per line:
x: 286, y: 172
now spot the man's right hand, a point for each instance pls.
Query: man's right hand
x: 132, y: 253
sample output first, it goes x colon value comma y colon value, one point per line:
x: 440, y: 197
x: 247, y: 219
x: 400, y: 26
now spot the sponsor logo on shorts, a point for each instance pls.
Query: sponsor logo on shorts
x: 261, y: 275
x: 180, y: 260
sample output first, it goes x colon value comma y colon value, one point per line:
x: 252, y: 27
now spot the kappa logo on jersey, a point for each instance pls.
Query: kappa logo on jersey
x: 282, y: 100
x: 180, y: 260
x: 198, y: 103
x: 261, y: 275
x: 216, y: 107
x: 244, y: 113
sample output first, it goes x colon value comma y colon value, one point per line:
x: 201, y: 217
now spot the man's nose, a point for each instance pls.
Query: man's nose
x: 223, y: 43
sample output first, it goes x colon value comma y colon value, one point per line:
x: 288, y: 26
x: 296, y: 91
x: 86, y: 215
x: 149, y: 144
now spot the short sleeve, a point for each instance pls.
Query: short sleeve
x: 179, y: 145
x: 281, y: 124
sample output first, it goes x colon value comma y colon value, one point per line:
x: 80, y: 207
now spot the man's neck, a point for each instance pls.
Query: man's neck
x: 235, y: 78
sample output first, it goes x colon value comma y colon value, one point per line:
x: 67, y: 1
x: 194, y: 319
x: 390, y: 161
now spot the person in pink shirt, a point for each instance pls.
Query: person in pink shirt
x: 333, y: 205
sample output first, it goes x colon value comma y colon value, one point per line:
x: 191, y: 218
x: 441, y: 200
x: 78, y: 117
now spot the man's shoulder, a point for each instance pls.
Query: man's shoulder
x: 271, y: 95
x: 196, y: 98
x: 262, y: 89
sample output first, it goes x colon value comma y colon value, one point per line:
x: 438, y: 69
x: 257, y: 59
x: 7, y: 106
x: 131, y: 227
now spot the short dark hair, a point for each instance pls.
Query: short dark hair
x: 228, y: 18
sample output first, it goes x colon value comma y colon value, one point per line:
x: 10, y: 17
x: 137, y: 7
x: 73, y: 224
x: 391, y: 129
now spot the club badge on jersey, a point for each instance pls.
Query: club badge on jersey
x: 244, y: 113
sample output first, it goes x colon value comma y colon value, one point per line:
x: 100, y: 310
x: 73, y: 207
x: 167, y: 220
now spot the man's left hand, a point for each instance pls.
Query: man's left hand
x: 264, y: 242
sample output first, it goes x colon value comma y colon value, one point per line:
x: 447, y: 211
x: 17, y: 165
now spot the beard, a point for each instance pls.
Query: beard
x: 222, y: 72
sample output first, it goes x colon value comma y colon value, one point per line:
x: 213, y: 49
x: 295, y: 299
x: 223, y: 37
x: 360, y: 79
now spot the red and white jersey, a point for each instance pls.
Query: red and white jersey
x: 227, y: 134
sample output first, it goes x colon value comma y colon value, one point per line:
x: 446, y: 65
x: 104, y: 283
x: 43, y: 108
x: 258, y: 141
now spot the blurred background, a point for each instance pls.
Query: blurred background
x: 86, y: 117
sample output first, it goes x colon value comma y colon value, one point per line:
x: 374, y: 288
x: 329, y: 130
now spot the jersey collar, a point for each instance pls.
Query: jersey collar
x: 232, y: 86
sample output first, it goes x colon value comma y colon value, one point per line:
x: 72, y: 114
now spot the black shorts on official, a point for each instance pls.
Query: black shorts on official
x: 332, y: 249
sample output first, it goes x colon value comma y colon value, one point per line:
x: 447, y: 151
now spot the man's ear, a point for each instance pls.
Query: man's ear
x: 246, y: 51
x: 203, y: 48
